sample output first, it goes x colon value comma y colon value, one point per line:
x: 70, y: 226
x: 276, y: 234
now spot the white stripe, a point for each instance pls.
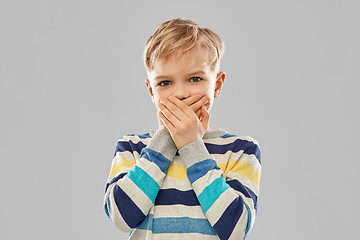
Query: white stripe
x: 115, y: 175
x: 152, y: 169
x: 220, y: 158
x: 116, y: 217
x: 179, y: 210
x: 224, y: 141
x: 247, y: 200
x: 252, y: 161
x: 135, y: 139
x: 146, y: 234
x: 179, y: 184
x: 126, y: 154
x: 140, y: 199
x: 218, y: 208
x: 200, y: 184
x: 246, y: 182
x: 183, y: 236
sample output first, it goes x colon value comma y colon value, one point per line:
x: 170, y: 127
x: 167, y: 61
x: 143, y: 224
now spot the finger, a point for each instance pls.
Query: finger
x: 165, y: 121
x: 204, y: 100
x: 169, y: 114
x: 205, y: 117
x: 187, y: 111
x: 193, y: 98
x: 198, y: 113
x: 195, y: 101
x: 174, y: 108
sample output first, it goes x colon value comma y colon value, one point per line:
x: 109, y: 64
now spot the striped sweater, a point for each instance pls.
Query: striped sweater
x: 208, y: 189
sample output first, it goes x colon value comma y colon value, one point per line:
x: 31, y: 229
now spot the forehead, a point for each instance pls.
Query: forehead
x: 175, y: 65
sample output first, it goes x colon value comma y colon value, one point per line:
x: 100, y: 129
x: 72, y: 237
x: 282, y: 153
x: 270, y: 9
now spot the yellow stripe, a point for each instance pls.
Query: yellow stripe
x: 177, y: 171
x: 242, y: 168
x: 122, y: 164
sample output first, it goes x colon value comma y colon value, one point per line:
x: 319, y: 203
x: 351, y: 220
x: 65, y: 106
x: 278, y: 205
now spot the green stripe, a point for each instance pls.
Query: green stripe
x: 212, y: 192
x: 145, y: 182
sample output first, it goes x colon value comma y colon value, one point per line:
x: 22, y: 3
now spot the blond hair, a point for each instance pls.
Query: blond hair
x: 180, y: 36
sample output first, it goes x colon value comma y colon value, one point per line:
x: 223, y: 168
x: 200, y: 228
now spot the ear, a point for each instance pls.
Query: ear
x: 148, y: 85
x: 220, y: 78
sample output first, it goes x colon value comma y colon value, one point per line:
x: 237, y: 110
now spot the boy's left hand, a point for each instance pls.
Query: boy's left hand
x: 182, y: 122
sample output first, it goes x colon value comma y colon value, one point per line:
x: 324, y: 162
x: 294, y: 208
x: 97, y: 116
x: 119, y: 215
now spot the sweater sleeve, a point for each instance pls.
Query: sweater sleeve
x: 134, y: 182
x: 229, y: 203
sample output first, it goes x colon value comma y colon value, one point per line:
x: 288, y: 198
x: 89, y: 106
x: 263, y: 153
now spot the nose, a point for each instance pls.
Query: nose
x: 182, y: 93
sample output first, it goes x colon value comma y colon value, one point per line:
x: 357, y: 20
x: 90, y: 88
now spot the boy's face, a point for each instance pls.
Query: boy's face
x: 183, y: 78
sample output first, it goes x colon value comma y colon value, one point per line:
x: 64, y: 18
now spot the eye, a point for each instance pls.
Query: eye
x: 196, y: 79
x: 161, y: 83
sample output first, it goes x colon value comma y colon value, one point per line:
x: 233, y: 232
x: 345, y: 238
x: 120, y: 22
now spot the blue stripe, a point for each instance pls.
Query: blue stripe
x: 144, y: 181
x: 235, y: 184
x: 107, y: 207
x: 147, y: 224
x: 236, y: 146
x: 253, y: 149
x: 239, y: 144
x: 173, y: 196
x: 228, y: 135
x: 248, y: 226
x: 117, y: 178
x: 199, y: 169
x: 157, y: 158
x: 123, y: 146
x: 177, y: 225
x: 127, y: 208
x: 212, y: 192
x: 217, y: 149
x: 226, y: 223
x: 145, y: 135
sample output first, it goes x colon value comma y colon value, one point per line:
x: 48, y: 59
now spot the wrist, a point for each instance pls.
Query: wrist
x: 188, y: 141
x: 194, y: 152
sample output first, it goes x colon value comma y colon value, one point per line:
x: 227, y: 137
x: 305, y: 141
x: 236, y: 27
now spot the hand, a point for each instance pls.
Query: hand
x: 161, y: 124
x: 182, y: 122
x: 194, y: 103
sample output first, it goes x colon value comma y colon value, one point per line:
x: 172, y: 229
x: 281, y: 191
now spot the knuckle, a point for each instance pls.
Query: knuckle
x: 182, y: 104
x: 172, y: 108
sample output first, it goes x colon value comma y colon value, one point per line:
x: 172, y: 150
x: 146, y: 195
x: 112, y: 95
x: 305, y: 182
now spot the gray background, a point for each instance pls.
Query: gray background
x: 72, y: 83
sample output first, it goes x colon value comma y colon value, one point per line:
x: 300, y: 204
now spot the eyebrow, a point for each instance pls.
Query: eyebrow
x: 166, y: 77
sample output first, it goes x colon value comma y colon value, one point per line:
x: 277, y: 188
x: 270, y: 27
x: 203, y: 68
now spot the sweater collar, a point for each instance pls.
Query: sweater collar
x: 214, y: 134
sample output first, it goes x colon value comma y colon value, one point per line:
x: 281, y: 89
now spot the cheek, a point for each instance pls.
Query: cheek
x: 157, y: 98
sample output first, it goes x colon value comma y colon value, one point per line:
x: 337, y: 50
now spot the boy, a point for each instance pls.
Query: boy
x: 184, y: 180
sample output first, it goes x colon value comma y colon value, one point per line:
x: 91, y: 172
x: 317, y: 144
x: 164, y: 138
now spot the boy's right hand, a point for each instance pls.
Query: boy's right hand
x: 195, y: 102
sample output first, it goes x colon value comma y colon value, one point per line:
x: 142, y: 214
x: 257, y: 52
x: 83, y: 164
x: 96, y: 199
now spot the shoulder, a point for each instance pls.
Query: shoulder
x: 238, y: 143
x: 245, y: 141
x: 134, y: 137
x: 132, y: 142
